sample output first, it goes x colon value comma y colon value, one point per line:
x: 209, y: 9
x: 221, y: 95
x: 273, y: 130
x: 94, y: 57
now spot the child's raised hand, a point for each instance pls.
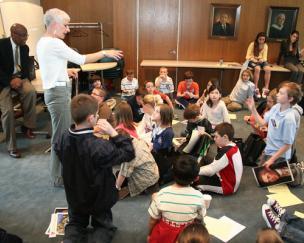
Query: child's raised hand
x: 106, y: 128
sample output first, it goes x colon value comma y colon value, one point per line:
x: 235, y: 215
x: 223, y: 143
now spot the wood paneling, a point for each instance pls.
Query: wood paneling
x: 125, y: 30
x: 86, y: 40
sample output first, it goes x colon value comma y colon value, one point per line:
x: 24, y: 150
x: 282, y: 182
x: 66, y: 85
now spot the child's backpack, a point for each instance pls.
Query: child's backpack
x: 252, y: 149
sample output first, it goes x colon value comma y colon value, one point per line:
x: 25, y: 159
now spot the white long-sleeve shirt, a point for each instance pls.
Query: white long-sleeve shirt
x: 53, y: 55
x: 217, y: 114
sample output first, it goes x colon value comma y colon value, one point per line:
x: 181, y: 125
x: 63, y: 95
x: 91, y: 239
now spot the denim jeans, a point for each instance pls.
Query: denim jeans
x: 292, y: 228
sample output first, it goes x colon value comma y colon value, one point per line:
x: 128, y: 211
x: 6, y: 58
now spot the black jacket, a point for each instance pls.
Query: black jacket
x: 7, y: 62
x: 87, y: 169
x: 287, y: 55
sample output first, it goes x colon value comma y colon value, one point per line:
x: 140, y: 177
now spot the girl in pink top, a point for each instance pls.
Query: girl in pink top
x: 124, y: 119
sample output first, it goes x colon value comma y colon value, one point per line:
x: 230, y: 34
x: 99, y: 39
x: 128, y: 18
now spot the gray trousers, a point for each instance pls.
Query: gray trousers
x: 296, y: 72
x: 58, y: 103
x: 27, y: 98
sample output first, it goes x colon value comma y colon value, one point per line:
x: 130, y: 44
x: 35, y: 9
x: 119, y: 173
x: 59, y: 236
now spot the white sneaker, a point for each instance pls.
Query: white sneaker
x: 265, y: 93
x: 276, y: 207
x: 257, y: 93
x: 270, y: 218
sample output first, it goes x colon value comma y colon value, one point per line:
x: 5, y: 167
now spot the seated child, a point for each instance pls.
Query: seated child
x: 243, y: 89
x: 281, y: 124
x: 136, y: 103
x: 94, y: 82
x: 224, y: 174
x: 159, y: 96
x: 146, y: 124
x: 194, y: 233
x: 129, y: 85
x: 214, y: 109
x: 87, y: 170
x: 124, y: 119
x: 162, y: 137
x: 204, y: 97
x: 164, y: 83
x: 195, y: 121
x: 271, y: 101
x: 141, y: 172
x: 187, y: 91
x: 178, y: 205
x: 104, y: 111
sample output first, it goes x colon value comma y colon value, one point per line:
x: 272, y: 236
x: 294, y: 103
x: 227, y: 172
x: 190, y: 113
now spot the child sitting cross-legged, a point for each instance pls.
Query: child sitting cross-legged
x: 140, y: 173
x: 87, y: 170
x: 178, y: 205
x: 195, y: 121
x: 243, y: 89
x: 214, y: 109
x: 223, y: 175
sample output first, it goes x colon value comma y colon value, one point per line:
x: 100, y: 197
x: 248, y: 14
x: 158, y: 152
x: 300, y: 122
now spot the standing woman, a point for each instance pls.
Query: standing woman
x: 257, y: 57
x: 291, y: 54
x: 53, y: 55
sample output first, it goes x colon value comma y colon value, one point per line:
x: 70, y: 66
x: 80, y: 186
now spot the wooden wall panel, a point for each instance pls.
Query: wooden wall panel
x: 125, y: 30
x: 86, y: 40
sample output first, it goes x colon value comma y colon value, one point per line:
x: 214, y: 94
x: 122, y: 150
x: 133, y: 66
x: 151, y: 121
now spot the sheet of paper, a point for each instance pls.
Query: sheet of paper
x: 286, y: 199
x: 299, y: 214
x: 232, y: 228
x: 283, y: 188
x: 184, y: 122
x: 195, y: 136
x: 232, y: 116
x: 224, y: 228
x: 174, y: 122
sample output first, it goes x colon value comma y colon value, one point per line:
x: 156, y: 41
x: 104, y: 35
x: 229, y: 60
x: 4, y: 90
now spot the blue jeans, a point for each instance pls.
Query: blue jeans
x: 292, y: 228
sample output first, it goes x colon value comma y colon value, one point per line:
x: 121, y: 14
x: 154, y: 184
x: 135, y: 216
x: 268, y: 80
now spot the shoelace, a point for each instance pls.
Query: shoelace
x: 273, y: 217
x: 277, y: 208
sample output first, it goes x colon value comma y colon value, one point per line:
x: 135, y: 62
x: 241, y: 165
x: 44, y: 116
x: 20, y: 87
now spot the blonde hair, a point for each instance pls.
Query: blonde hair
x: 248, y: 72
x: 55, y: 15
x: 150, y: 100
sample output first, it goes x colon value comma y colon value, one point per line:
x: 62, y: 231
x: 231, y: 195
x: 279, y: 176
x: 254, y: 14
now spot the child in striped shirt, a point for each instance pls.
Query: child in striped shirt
x: 129, y: 85
x: 164, y: 83
x: 178, y: 205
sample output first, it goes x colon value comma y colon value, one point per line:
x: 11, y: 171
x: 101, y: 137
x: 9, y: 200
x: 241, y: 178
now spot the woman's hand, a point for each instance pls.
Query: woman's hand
x: 73, y: 72
x: 116, y: 54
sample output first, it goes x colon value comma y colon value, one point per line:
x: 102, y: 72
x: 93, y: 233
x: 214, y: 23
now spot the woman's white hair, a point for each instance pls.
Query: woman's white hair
x: 55, y: 15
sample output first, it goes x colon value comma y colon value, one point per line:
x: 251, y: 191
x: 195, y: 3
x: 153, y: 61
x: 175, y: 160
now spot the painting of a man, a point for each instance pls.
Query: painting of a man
x: 223, y: 27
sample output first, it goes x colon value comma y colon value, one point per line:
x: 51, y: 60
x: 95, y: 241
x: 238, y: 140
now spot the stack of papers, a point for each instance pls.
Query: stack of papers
x: 223, y: 228
x: 299, y: 214
x: 283, y: 195
x: 232, y: 116
x: 59, y: 219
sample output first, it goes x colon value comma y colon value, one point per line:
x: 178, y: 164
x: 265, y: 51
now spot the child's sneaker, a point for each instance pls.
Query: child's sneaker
x: 270, y: 218
x: 265, y: 93
x: 275, y: 206
x: 257, y: 93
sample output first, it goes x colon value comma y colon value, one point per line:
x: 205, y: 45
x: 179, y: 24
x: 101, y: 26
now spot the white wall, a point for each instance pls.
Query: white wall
x: 1, y: 1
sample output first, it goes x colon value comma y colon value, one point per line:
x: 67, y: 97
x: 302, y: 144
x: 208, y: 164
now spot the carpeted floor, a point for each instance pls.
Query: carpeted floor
x: 27, y: 197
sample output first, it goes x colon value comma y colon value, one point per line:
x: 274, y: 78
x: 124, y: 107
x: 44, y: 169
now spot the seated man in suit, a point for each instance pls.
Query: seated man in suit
x: 14, y: 74
x: 222, y: 27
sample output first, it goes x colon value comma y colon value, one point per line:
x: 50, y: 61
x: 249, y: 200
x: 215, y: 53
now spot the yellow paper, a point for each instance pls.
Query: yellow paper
x: 174, y: 122
x: 299, y: 214
x: 283, y: 188
x: 286, y: 199
x: 215, y: 227
x: 232, y: 116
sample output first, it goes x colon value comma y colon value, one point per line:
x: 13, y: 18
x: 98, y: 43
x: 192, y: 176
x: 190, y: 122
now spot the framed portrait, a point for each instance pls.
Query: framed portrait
x: 278, y: 173
x: 281, y: 22
x: 224, y: 21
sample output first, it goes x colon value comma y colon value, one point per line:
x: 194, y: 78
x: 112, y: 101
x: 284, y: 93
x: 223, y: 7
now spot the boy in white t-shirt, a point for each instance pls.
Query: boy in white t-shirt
x: 129, y: 85
x: 281, y: 123
x: 164, y: 83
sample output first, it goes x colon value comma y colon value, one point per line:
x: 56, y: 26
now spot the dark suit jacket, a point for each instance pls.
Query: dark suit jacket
x: 7, y: 62
x: 218, y: 29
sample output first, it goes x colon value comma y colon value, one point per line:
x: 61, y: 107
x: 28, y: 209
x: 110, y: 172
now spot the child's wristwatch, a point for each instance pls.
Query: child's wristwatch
x: 104, y: 53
